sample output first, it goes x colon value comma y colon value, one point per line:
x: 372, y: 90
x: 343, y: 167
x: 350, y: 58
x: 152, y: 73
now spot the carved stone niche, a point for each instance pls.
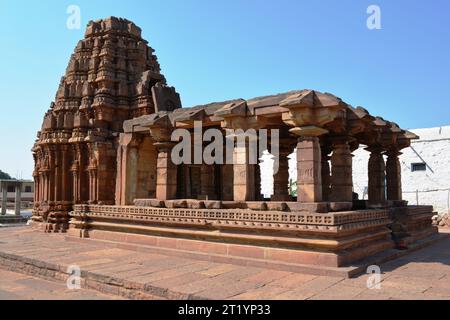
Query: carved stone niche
x: 165, y: 98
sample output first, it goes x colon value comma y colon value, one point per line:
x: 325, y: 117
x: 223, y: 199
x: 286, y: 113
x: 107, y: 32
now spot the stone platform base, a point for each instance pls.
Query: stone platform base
x: 303, y: 240
x: 327, y: 240
x: 248, y: 255
x: 411, y: 224
x: 141, y: 272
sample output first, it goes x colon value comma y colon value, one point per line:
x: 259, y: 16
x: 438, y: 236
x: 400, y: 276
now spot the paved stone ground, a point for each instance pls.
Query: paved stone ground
x: 424, y: 274
x: 17, y: 286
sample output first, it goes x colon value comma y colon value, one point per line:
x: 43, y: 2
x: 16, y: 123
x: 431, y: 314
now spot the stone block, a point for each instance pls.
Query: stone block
x: 318, y: 207
x: 195, y: 204
x: 234, y: 205
x: 173, y: 204
x: 340, y: 206
x: 155, y: 203
x: 257, y: 205
x: 277, y: 206
x: 210, y: 204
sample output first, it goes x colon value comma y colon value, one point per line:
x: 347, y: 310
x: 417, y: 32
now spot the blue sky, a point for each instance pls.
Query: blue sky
x: 217, y: 50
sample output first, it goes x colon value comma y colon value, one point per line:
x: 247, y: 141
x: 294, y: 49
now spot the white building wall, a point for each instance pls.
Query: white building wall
x: 433, y: 185
x: 430, y: 187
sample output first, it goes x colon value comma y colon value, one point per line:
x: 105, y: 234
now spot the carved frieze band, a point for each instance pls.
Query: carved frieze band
x: 227, y: 216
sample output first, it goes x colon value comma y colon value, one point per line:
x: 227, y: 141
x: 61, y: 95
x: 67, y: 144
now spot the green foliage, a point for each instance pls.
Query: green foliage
x: 4, y: 175
x: 293, y: 188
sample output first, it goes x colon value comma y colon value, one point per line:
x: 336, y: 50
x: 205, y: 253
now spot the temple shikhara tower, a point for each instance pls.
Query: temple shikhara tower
x: 109, y: 79
x: 103, y: 167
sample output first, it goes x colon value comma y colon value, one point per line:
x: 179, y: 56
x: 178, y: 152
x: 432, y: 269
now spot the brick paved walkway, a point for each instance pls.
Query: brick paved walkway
x: 17, y: 286
x: 424, y: 274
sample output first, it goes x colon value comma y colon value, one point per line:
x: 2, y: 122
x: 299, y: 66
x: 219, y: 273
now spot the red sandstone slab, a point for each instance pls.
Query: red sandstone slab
x: 268, y: 292
x: 218, y: 269
x: 293, y: 280
x: 246, y: 251
x: 265, y: 277
x: 173, y: 282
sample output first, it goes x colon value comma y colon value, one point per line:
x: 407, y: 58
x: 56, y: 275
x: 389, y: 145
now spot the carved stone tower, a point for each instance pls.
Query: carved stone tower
x: 109, y: 79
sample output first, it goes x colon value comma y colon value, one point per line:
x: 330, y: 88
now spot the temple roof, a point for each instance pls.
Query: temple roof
x: 354, y: 120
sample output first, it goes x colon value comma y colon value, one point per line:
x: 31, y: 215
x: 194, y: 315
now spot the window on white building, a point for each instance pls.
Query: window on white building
x: 418, y: 167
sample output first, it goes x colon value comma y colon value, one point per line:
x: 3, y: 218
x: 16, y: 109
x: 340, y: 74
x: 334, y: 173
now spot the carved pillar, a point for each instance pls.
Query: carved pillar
x: 258, y: 195
x: 243, y: 173
x: 309, y: 170
x: 127, y: 168
x: 76, y: 175
x: 377, y: 176
x: 57, y: 175
x: 51, y: 175
x: 64, y: 172
x: 43, y: 195
x: 166, y: 171
x: 4, y: 197
x: 36, y: 186
x: 18, y: 199
x: 341, y: 172
x: 393, y: 175
x: 130, y: 163
x: 43, y: 183
x: 281, y: 177
x: 326, y: 173
x: 92, y: 171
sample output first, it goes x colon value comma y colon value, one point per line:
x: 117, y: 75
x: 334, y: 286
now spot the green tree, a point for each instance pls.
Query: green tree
x: 4, y: 175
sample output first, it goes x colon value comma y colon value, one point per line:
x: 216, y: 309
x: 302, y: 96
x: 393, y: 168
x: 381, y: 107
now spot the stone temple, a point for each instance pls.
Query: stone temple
x: 103, y: 167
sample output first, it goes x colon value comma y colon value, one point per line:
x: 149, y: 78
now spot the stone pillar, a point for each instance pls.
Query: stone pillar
x: 377, y: 176
x: 281, y: 178
x: 309, y: 170
x: 51, y: 175
x: 4, y: 197
x: 130, y: 163
x: 46, y: 185
x: 207, y: 191
x: 36, y: 187
x: 341, y: 172
x: 18, y: 199
x: 76, y: 183
x: 43, y: 186
x: 93, y: 198
x: 64, y: 173
x: 75, y: 169
x: 393, y: 176
x: 166, y: 173
x: 243, y: 174
x: 258, y: 195
x: 128, y: 158
x: 57, y: 175
x: 326, y: 178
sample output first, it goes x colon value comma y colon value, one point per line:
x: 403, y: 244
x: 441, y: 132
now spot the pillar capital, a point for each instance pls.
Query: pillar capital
x: 164, y: 146
x: 375, y: 149
x: 393, y: 152
x: 307, y: 132
x: 340, y: 140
